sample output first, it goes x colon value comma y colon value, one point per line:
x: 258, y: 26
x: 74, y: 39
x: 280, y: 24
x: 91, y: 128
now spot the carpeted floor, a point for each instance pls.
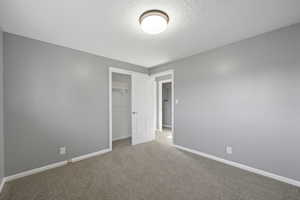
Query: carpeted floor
x: 165, y: 136
x: 151, y: 171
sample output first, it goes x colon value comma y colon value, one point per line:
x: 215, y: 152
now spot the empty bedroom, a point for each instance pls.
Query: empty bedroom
x: 150, y: 100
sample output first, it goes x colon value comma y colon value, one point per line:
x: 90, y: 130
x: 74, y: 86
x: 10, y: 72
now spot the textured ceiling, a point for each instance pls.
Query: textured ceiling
x: 110, y: 28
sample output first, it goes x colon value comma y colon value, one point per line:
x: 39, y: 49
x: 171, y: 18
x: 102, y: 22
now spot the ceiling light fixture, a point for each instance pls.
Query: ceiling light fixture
x: 154, y: 21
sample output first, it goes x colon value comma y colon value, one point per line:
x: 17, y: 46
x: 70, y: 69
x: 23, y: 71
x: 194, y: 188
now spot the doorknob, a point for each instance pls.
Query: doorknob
x: 134, y: 113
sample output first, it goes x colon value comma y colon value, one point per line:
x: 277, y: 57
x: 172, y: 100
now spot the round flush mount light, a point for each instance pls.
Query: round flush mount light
x: 154, y: 21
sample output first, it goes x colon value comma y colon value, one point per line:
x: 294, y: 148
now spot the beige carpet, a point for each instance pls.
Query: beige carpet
x: 151, y: 171
x: 165, y: 136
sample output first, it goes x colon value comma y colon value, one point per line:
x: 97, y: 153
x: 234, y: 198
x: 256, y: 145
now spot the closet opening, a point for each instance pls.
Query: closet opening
x: 121, y: 110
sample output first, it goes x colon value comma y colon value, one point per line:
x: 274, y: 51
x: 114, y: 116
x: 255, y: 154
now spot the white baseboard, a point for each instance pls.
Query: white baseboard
x: 244, y: 167
x: 121, y: 138
x: 35, y: 171
x: 86, y: 156
x: 2, y: 184
x: 51, y: 166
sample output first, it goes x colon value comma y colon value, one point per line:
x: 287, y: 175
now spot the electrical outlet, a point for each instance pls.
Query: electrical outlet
x: 62, y: 150
x: 228, y: 149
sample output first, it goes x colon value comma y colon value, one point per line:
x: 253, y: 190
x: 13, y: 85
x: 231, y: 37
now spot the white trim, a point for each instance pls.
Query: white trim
x: 166, y: 81
x: 86, y: 156
x: 242, y: 166
x: 35, y: 171
x: 121, y: 138
x: 110, y: 108
x: 167, y: 72
x: 159, y: 106
x: 155, y: 75
x: 173, y: 106
x: 2, y: 183
x: 51, y: 166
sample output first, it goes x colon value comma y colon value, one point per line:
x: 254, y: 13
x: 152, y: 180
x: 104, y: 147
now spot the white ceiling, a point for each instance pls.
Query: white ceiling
x: 110, y: 27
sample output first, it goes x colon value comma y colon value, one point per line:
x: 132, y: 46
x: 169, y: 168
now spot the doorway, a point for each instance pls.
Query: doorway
x: 121, y: 109
x: 138, y: 89
x: 164, y: 106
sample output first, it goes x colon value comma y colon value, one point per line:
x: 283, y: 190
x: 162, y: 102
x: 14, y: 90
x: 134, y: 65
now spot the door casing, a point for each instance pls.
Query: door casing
x: 158, y: 104
x: 131, y: 74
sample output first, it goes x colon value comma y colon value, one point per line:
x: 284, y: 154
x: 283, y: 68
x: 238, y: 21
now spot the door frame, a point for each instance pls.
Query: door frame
x: 119, y: 71
x: 154, y: 76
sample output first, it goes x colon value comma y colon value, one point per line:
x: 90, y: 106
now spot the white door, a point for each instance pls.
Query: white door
x: 143, y: 125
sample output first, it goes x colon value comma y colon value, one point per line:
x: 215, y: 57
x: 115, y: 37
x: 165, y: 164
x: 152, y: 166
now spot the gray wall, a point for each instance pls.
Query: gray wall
x: 246, y: 95
x: 53, y: 97
x: 1, y: 109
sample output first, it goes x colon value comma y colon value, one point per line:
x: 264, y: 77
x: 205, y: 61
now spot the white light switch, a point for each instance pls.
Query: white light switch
x: 176, y: 101
x: 62, y: 150
x: 229, y: 150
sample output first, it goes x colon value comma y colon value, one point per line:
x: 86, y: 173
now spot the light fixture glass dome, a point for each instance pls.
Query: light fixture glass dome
x: 154, y: 21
